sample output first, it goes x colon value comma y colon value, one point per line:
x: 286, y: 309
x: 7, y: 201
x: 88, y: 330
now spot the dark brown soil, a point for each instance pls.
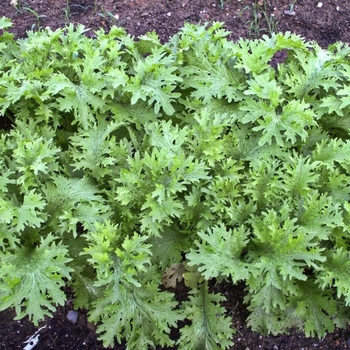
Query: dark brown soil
x: 325, y: 21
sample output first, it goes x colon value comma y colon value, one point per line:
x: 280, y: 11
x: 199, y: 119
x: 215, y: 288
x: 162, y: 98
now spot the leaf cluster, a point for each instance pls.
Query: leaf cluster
x: 132, y: 166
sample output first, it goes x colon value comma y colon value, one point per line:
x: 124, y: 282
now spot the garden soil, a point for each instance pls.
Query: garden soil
x: 325, y: 21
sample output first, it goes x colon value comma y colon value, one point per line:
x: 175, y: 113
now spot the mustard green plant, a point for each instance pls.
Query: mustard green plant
x: 133, y: 166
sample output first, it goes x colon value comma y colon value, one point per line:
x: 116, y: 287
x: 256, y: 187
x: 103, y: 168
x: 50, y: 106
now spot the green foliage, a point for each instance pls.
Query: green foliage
x: 220, y: 250
x: 131, y: 305
x: 32, y: 279
x: 208, y: 322
x: 131, y: 166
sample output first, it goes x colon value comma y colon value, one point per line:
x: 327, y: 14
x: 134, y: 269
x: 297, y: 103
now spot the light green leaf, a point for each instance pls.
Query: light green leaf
x: 336, y: 272
x: 30, y: 212
x: 219, y: 253
x: 32, y: 279
x: 209, y: 329
x: 5, y: 23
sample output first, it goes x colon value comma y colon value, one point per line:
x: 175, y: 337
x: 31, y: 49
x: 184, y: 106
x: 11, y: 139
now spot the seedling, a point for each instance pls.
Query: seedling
x: 291, y: 8
x: 108, y: 16
x: 222, y: 4
x: 22, y: 6
x: 260, y: 17
x: 67, y: 10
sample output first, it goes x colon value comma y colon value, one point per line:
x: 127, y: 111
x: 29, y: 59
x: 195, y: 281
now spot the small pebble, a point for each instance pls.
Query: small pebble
x: 289, y: 12
x: 72, y: 316
x: 319, y: 5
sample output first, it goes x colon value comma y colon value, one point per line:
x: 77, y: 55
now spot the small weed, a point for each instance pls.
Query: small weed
x: 291, y: 8
x: 108, y: 16
x: 23, y: 6
x: 68, y: 10
x: 222, y: 4
x: 262, y: 22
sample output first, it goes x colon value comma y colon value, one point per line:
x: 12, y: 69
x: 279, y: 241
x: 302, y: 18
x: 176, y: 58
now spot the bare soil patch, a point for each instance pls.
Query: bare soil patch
x: 325, y: 21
